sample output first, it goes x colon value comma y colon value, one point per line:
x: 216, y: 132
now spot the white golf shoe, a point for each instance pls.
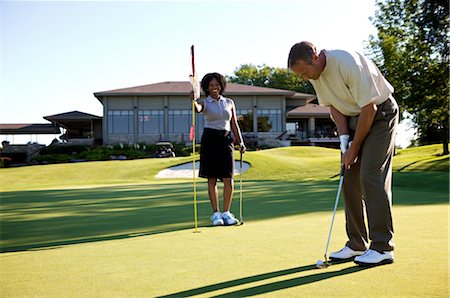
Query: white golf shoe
x: 374, y: 258
x: 229, y: 218
x: 217, y: 219
x: 345, y: 254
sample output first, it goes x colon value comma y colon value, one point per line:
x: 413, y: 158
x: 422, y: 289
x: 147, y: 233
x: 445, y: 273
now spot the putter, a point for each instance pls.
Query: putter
x: 240, y: 190
x: 324, y: 264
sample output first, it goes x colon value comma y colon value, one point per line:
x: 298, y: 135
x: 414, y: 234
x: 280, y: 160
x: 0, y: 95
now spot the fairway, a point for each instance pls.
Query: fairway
x: 131, y: 235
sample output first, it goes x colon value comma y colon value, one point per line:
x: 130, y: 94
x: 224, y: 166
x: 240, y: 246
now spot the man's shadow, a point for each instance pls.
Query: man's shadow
x: 270, y: 287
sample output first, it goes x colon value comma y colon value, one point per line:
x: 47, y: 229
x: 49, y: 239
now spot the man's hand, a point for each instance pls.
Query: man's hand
x: 344, y: 142
x: 350, y: 157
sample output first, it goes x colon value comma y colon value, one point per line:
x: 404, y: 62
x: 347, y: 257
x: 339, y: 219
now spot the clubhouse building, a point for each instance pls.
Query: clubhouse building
x: 163, y: 112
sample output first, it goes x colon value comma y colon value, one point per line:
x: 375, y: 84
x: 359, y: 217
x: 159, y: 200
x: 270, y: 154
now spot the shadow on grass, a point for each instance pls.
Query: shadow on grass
x: 269, y: 287
x: 429, y: 164
x: 43, y: 219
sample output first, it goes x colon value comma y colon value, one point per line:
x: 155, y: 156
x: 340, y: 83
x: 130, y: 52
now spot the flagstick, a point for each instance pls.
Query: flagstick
x: 193, y: 167
x: 193, y: 146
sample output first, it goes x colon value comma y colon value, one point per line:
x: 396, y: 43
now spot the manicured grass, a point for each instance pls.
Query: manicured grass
x: 424, y: 159
x: 271, y: 257
x: 289, y: 163
x: 105, y: 229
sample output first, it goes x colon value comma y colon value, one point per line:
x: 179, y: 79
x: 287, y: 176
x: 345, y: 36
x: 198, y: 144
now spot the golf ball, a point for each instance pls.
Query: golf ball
x: 319, y: 263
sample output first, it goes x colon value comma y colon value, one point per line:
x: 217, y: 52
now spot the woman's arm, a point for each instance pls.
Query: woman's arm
x: 197, y: 106
x: 236, y: 130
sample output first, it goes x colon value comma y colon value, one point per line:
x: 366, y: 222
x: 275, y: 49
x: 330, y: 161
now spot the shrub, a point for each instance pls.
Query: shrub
x: 64, y: 149
x: 95, y: 154
x: 16, y: 157
x: 53, y: 158
x: 5, y: 162
x: 67, y: 153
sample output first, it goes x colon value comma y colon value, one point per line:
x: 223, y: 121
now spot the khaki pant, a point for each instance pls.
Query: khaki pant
x: 368, y: 183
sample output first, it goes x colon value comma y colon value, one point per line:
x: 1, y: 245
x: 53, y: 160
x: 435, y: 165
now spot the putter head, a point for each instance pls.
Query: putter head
x: 321, y: 264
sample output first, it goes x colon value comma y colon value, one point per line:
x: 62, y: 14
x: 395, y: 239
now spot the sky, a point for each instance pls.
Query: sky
x: 55, y: 54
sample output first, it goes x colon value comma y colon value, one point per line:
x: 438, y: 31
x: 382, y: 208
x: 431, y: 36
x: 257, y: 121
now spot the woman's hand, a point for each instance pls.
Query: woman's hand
x: 242, y: 147
x: 193, y: 96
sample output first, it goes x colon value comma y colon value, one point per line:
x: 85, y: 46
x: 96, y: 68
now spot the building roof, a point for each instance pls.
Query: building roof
x: 74, y: 120
x: 29, y: 128
x: 307, y: 96
x: 74, y: 115
x: 184, y: 88
x: 309, y: 109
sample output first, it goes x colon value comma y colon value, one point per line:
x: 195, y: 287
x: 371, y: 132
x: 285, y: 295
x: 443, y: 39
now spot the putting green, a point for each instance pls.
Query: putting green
x: 272, y: 257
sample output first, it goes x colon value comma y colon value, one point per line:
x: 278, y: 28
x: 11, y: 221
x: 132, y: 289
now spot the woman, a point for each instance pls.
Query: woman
x: 217, y: 146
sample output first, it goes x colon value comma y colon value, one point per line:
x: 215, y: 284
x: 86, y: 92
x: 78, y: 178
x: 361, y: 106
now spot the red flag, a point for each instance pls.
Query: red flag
x: 192, y: 133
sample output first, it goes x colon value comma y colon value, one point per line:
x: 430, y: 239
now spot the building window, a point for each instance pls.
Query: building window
x: 180, y: 121
x: 269, y: 120
x: 245, y: 120
x: 120, y: 122
x: 151, y: 121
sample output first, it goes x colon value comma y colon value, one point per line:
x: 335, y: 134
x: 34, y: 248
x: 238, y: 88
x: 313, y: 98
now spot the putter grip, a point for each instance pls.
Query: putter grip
x: 342, y: 170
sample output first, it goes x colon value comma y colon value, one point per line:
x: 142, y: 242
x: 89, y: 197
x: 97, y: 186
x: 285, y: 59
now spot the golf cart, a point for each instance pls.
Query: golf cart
x: 164, y: 149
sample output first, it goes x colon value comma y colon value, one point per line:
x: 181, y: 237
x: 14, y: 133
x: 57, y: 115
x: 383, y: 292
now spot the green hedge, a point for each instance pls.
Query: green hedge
x: 68, y: 153
x: 53, y: 158
x: 64, y: 149
x: 5, y: 162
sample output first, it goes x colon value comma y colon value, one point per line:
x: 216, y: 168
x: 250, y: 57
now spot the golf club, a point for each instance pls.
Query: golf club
x: 324, y: 264
x: 240, y: 190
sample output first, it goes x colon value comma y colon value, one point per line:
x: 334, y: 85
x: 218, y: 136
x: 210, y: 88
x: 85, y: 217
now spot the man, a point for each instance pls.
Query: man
x: 364, y: 111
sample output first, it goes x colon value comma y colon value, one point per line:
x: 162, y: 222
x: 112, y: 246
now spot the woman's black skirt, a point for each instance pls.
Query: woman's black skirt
x: 216, y: 154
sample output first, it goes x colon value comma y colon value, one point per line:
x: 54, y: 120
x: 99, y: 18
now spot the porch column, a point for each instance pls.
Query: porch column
x: 312, y: 126
x: 91, y: 134
x: 166, y: 118
x: 105, y: 127
x: 136, y: 121
x: 255, y: 117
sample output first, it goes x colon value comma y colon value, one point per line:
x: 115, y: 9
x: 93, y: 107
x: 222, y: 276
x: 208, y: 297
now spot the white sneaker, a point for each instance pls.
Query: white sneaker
x: 345, y: 254
x: 229, y: 218
x: 217, y: 219
x: 373, y: 258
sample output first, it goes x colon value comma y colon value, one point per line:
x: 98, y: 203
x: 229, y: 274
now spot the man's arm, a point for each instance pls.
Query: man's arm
x: 340, y: 120
x: 365, y: 121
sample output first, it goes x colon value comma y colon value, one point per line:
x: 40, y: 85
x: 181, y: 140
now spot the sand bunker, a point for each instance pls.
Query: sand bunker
x: 185, y: 170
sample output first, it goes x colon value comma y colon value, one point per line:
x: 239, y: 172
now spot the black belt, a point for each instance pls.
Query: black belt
x: 389, y: 99
x: 220, y: 132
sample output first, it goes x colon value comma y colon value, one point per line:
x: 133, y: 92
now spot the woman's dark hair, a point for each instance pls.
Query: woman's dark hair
x: 209, y: 77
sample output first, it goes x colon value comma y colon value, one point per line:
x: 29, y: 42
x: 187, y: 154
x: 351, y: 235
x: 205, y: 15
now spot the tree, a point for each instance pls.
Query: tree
x: 265, y: 76
x: 411, y: 49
